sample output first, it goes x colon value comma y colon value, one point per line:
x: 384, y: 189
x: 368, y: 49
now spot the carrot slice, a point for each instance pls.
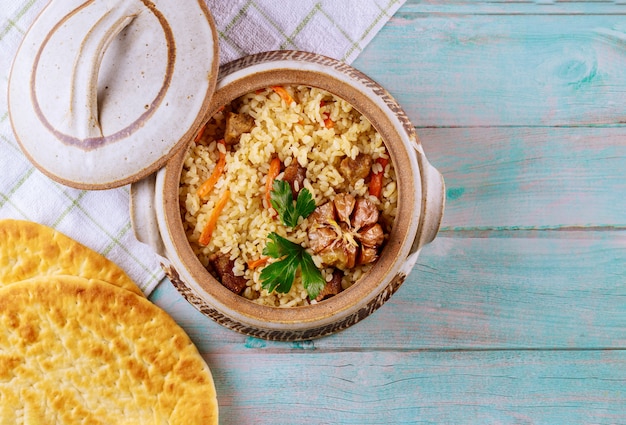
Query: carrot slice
x: 376, y: 180
x: 208, y: 185
x: 200, y: 133
x: 328, y: 123
x: 271, y: 176
x: 209, y: 227
x: 253, y: 264
x: 284, y: 94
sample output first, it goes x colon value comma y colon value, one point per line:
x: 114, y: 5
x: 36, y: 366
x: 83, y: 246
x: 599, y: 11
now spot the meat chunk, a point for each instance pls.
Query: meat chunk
x: 324, y: 213
x: 331, y: 288
x: 344, y: 205
x: 365, y: 213
x: 342, y: 253
x: 357, y: 168
x: 294, y: 175
x: 236, y: 125
x: 223, y: 266
x: 345, y: 232
x: 321, y: 235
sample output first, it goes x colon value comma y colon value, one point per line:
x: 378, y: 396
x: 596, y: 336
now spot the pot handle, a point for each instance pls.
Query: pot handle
x: 432, y: 202
x: 100, y: 22
x: 143, y: 214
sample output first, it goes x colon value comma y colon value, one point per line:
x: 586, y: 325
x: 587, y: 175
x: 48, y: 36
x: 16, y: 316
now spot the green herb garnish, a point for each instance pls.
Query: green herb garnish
x: 280, y: 275
x: 282, y: 201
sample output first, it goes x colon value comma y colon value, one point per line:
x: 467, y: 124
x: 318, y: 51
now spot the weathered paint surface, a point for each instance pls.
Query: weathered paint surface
x: 517, y: 312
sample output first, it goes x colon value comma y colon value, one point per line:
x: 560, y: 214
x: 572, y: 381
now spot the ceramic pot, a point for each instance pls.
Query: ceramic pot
x: 157, y: 219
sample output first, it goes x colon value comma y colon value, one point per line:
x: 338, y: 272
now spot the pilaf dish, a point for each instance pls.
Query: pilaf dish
x: 288, y: 195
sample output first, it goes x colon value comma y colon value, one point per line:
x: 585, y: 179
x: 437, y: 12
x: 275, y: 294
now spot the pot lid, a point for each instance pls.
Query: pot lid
x: 104, y: 92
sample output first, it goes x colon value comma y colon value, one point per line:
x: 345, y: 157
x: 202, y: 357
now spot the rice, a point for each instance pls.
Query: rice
x: 292, y: 132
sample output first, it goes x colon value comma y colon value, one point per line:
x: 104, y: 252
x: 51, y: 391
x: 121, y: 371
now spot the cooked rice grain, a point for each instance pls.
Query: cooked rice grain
x: 294, y: 132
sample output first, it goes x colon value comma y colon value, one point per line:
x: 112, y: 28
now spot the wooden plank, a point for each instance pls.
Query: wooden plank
x: 507, y: 7
x: 538, y: 290
x: 381, y: 387
x: 502, y: 70
x: 530, y: 177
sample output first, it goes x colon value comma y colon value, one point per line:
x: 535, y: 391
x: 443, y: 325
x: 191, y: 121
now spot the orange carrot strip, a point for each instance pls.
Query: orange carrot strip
x: 269, y: 183
x: 208, y: 185
x: 253, y: 264
x: 284, y: 94
x: 209, y: 227
x: 200, y: 133
x: 328, y: 123
x: 376, y: 181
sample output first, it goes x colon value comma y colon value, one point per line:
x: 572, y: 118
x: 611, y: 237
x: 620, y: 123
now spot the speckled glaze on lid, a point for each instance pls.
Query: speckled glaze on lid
x: 103, y: 92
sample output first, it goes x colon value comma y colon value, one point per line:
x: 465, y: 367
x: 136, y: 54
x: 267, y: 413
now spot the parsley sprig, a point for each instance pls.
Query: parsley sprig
x: 280, y: 275
x: 282, y: 201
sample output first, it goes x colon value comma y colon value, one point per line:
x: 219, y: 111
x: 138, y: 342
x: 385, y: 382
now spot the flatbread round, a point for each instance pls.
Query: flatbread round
x: 29, y: 249
x: 78, y: 351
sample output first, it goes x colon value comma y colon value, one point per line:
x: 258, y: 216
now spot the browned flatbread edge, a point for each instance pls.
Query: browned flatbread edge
x: 29, y: 249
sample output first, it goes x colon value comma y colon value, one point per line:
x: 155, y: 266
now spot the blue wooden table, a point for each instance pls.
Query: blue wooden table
x: 516, y: 313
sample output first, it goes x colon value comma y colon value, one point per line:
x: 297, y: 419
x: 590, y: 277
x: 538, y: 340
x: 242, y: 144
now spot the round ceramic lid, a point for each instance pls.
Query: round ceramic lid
x: 104, y: 92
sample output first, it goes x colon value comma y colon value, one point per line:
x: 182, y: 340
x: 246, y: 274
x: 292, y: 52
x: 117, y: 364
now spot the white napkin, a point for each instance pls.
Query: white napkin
x: 336, y: 28
x: 100, y: 219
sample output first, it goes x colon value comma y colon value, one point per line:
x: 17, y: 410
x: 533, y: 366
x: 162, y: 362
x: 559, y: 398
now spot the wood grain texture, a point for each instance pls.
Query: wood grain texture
x: 449, y: 69
x: 516, y: 313
x: 379, y: 387
x: 529, y: 177
x: 508, y: 7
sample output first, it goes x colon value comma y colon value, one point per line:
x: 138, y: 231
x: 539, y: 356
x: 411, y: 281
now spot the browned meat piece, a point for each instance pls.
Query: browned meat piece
x: 324, y: 213
x: 368, y: 255
x: 294, y: 175
x: 236, y: 125
x: 331, y: 288
x: 341, y: 254
x: 223, y: 266
x: 365, y: 213
x: 344, y: 204
x: 355, y: 169
x: 345, y: 232
x: 321, y: 238
x: 372, y: 235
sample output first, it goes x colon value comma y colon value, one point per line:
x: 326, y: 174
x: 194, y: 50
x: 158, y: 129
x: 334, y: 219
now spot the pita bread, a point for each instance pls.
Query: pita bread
x: 30, y: 249
x: 79, y: 351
